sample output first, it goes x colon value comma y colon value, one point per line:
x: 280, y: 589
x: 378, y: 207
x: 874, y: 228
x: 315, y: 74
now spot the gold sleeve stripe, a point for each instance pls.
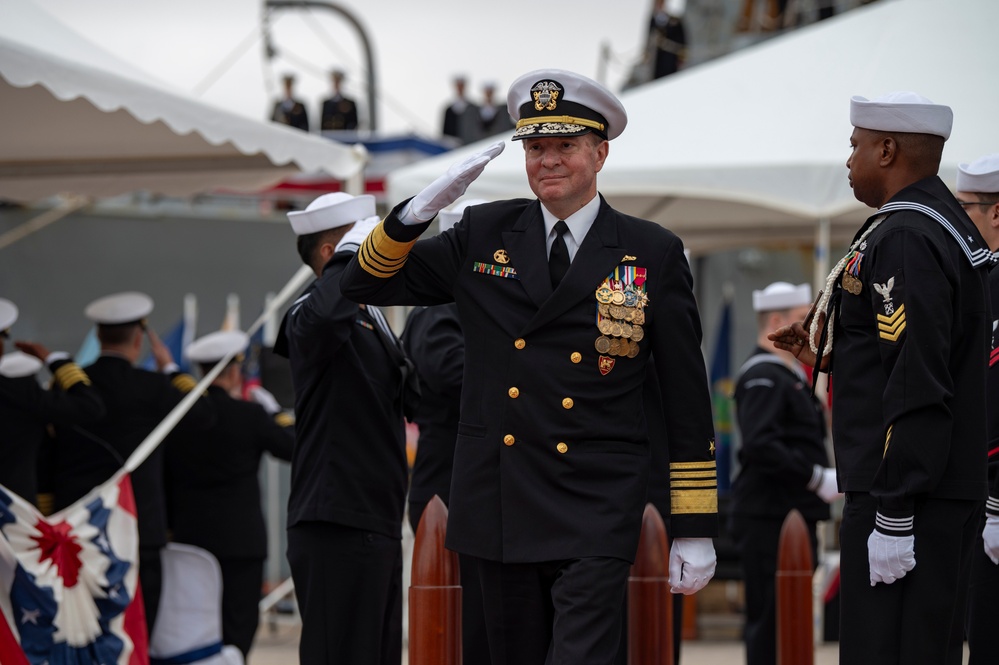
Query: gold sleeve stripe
x: 69, y: 375
x: 887, y: 441
x: 675, y: 484
x: 676, y: 466
x: 693, y: 502
x: 693, y: 474
x: 891, y: 327
x: 284, y: 419
x: 380, y: 255
x: 46, y: 503
x: 184, y: 382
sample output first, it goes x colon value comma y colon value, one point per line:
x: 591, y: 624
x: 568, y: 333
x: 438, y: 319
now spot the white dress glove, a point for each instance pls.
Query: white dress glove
x: 824, y: 484
x: 353, y: 238
x: 449, y: 187
x: 264, y: 398
x: 691, y: 564
x: 890, y: 557
x: 990, y: 534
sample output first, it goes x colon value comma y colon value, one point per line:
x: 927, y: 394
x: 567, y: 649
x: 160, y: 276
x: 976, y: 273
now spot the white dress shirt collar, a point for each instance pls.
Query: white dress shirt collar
x: 579, y: 224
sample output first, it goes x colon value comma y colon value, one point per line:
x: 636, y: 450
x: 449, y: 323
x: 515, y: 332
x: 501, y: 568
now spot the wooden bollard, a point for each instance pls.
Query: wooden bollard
x: 650, y: 603
x: 434, y: 593
x: 795, y: 629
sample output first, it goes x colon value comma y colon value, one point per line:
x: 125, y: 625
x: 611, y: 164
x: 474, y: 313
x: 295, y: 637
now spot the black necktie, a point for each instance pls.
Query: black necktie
x: 558, y: 259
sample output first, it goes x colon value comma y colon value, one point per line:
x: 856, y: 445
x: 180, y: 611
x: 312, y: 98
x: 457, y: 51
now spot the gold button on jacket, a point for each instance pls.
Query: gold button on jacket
x: 561, y: 447
x: 513, y: 392
x: 509, y: 440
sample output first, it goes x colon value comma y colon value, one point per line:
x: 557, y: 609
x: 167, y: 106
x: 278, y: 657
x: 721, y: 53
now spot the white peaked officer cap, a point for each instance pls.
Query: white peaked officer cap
x: 781, y: 295
x: 120, y: 308
x: 215, y: 346
x: 448, y: 218
x: 8, y: 314
x: 17, y: 364
x: 556, y: 102
x: 330, y: 211
x: 981, y: 175
x: 901, y: 112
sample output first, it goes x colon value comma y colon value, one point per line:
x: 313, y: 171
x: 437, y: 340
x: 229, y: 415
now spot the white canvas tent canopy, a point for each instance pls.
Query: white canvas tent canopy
x: 75, y: 119
x: 750, y: 149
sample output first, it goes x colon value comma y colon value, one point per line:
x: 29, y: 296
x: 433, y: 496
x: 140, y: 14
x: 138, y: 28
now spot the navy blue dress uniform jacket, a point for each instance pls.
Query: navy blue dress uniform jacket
x: 910, y: 357
x: 782, y: 430
x: 434, y: 342
x: 27, y: 409
x: 992, y: 390
x: 349, y: 464
x: 137, y: 401
x: 213, y: 486
x: 552, y: 457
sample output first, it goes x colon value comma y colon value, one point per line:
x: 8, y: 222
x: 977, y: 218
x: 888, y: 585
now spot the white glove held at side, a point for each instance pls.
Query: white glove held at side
x: 264, y: 398
x: 691, y: 564
x: 353, y: 238
x: 990, y: 534
x: 449, y: 187
x: 824, y: 484
x: 890, y: 557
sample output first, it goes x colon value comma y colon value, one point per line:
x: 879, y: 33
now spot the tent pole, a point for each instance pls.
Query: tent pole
x: 66, y: 207
x: 821, y: 259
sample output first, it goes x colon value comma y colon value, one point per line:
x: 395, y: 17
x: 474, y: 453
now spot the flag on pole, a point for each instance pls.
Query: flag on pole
x: 178, y: 338
x: 721, y: 394
x: 69, y: 590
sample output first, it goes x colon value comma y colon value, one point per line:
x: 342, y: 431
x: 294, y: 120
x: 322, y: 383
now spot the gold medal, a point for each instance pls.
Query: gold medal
x: 616, y: 329
x: 615, y: 347
x: 639, y: 318
x: 629, y: 314
x: 618, y: 298
x: 852, y: 284
x: 637, y: 333
x: 605, y: 326
x: 604, y: 309
x: 633, y: 349
x: 602, y: 345
x: 618, y: 312
x: 605, y: 294
x: 625, y: 330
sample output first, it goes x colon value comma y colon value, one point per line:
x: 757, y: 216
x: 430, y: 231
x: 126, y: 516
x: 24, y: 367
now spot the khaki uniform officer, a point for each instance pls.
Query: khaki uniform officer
x: 978, y: 194
x: 563, y: 302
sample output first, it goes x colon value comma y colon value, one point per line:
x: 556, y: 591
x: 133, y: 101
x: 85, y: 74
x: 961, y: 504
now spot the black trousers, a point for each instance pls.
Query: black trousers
x: 151, y: 581
x: 474, y: 642
x: 918, y: 619
x: 758, y: 542
x: 554, y: 613
x: 983, y: 605
x: 241, y: 583
x: 348, y: 584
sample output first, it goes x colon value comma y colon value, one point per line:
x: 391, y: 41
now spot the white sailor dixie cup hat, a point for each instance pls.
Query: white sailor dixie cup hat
x: 556, y: 102
x: 18, y: 364
x: 981, y: 175
x: 8, y: 315
x: 781, y: 295
x: 120, y: 308
x: 330, y: 211
x: 901, y: 112
x: 215, y: 346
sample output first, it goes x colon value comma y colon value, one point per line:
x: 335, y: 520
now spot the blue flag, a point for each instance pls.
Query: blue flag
x: 721, y: 397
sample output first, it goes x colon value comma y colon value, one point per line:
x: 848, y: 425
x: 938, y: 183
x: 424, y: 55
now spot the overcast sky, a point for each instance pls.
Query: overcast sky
x: 213, y: 48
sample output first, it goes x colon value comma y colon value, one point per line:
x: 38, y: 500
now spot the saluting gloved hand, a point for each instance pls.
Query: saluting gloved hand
x: 691, y: 564
x: 449, y: 187
x: 823, y: 483
x: 264, y: 398
x: 352, y: 239
x: 990, y: 534
x: 890, y: 557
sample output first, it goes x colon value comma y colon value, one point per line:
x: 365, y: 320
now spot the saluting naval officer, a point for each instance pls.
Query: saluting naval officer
x: 213, y: 488
x: 137, y: 400
x: 349, y: 469
x: 978, y: 193
x: 783, y: 461
x: 563, y: 301
x: 26, y: 409
x: 907, y: 327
